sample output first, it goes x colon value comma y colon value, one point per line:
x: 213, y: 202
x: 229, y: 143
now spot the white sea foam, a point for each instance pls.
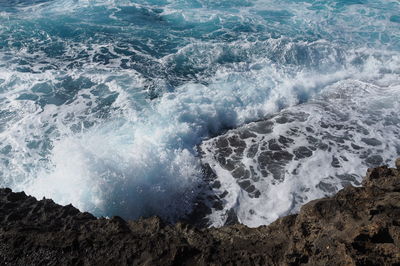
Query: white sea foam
x: 108, y: 116
x: 357, y: 123
x: 132, y: 164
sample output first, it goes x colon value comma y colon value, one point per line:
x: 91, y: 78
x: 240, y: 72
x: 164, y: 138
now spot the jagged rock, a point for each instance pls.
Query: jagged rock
x: 358, y: 226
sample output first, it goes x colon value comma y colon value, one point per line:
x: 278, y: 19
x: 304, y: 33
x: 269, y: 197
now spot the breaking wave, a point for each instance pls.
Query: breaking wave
x: 104, y: 103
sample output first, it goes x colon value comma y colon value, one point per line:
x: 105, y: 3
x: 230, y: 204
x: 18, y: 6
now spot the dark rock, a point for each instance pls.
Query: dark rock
x: 223, y: 195
x: 273, y: 145
x: 282, y: 156
x: 241, y: 173
x: 374, y: 160
x: 263, y: 127
x: 283, y: 119
x: 232, y: 218
x: 371, y: 141
x: 285, y: 140
x: 302, y: 152
x: 265, y: 158
x: 356, y: 147
x: 218, y: 205
x: 208, y: 173
x: 245, y: 134
x: 225, y: 152
x: 310, y: 129
x: 250, y: 189
x: 216, y: 184
x: 252, y: 151
x: 335, y: 162
x: 277, y: 171
x: 326, y: 187
x: 221, y: 143
x: 236, y: 142
x: 357, y: 226
x: 229, y: 165
x: 244, y: 184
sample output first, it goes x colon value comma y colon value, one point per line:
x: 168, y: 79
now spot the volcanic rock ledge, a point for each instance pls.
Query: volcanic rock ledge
x: 358, y: 226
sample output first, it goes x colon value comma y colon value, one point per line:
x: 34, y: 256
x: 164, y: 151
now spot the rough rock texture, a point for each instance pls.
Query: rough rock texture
x: 294, y: 145
x: 358, y: 226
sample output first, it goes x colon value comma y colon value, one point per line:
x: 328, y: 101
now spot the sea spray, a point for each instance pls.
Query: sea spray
x: 103, y: 103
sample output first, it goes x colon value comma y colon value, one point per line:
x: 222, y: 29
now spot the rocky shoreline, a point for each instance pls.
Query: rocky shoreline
x: 357, y: 226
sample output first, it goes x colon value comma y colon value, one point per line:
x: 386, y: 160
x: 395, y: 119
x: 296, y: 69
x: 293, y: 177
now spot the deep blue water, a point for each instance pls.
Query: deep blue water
x: 103, y: 102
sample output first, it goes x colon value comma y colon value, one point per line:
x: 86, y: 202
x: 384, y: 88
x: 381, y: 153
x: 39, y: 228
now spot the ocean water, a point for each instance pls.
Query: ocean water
x: 105, y: 103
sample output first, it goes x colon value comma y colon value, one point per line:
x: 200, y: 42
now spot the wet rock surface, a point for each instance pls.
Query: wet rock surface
x: 357, y: 226
x: 307, y: 151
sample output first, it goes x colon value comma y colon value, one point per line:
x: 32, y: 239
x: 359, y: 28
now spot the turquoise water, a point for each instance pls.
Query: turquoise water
x: 103, y: 102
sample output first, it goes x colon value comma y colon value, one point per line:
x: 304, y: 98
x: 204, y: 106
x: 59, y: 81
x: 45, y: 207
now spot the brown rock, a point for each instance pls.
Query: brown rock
x: 358, y: 226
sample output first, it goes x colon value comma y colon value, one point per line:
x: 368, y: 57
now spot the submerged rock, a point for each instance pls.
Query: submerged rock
x: 275, y: 165
x: 358, y: 226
